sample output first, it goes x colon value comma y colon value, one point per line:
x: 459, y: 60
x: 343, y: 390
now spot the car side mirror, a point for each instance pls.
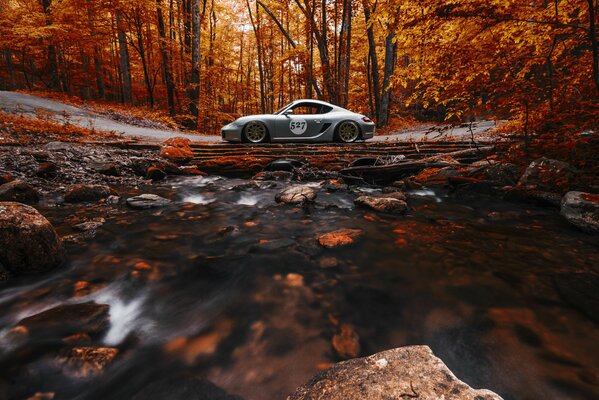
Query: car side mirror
x: 288, y: 112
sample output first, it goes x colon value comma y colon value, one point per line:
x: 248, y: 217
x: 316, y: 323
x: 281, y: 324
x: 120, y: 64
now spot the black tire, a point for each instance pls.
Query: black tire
x: 347, y: 132
x: 255, y: 132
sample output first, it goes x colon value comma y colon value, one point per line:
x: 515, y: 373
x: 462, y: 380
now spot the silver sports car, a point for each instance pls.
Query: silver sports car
x: 301, y: 121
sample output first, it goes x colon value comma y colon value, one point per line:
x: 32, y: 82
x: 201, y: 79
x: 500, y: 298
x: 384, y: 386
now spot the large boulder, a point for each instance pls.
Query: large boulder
x: 582, y: 210
x: 296, y: 195
x: 28, y: 242
x: 18, y: 191
x: 548, y: 175
x: 177, y: 150
x: 87, y: 193
x: 405, y: 372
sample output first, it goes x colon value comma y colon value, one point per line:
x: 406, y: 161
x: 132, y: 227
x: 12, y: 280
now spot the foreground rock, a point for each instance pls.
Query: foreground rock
x: 582, y: 210
x: 28, y: 242
x: 296, y: 195
x: 402, y: 373
x: 146, y: 201
x: 19, y: 191
x: 393, y: 203
x: 548, y: 175
x: 87, y: 193
x: 340, y: 237
x: 177, y: 150
x: 90, y: 318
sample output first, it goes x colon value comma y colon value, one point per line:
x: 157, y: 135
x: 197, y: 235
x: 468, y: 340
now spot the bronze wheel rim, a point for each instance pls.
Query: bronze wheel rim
x: 348, y: 132
x: 255, y: 132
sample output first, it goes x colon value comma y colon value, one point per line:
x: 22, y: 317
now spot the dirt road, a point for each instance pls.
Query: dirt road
x: 26, y: 104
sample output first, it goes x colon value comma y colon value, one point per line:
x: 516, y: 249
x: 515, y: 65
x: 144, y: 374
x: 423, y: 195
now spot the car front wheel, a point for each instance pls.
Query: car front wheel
x: 348, y: 132
x: 255, y: 132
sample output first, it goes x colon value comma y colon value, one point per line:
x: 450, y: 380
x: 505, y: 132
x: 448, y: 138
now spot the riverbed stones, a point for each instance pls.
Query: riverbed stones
x: 548, y: 175
x: 402, y: 373
x: 147, y: 201
x: 581, y: 210
x: 155, y: 173
x: 393, y: 203
x: 297, y: 194
x: 84, y: 193
x: 339, y: 238
x: 68, y: 319
x: 19, y: 191
x: 28, y: 242
x: 285, y: 176
x: 47, y: 170
x: 5, y: 177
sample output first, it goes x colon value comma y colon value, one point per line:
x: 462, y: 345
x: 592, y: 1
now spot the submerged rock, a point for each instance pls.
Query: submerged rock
x: 296, y: 195
x: 346, y: 343
x: 145, y: 201
x: 405, y: 372
x: 18, y: 191
x: 273, y: 176
x: 582, y: 210
x: 87, y: 193
x: 68, y: 319
x: 284, y: 164
x: 28, y: 242
x: 340, y: 237
x: 548, y: 175
x: 394, y: 203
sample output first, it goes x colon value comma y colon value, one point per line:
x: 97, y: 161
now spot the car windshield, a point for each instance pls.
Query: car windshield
x: 281, y: 110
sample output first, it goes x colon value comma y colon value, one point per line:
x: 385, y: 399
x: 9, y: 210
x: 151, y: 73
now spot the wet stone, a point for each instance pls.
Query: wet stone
x: 340, y: 237
x: 47, y: 170
x: 296, y: 195
x: 548, y: 175
x: 346, y: 343
x: 90, y: 225
x: 68, y: 319
x: 87, y: 193
x: 147, y: 201
x: 581, y: 210
x: 272, y: 245
x: 18, y: 191
x: 156, y: 174
x: 273, y: 176
x: 86, y: 362
x: 387, y: 203
x: 28, y: 242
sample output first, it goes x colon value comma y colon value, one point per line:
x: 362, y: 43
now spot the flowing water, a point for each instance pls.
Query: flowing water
x: 227, y: 285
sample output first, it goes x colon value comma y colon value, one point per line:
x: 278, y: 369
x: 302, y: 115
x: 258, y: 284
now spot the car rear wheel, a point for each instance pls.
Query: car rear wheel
x: 255, y: 132
x: 348, y: 132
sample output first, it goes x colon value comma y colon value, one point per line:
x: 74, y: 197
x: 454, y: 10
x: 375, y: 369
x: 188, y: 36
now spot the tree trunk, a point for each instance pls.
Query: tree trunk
x: 166, y: 66
x: 125, y: 65
x: 144, y: 63
x: 390, y: 52
x: 593, y: 39
x: 374, y: 64
x: 196, y: 29
x: 97, y: 59
x: 52, y: 63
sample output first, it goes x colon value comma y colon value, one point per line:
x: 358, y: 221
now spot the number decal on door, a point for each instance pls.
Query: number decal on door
x: 298, y: 127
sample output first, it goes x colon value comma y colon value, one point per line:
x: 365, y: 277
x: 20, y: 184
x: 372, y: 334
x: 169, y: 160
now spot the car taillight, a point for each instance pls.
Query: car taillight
x: 366, y: 119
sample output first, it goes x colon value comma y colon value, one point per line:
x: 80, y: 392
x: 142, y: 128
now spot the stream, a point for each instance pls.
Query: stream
x: 227, y: 285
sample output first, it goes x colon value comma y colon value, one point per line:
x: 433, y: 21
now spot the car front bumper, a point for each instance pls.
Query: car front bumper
x: 231, y: 133
x: 368, y: 131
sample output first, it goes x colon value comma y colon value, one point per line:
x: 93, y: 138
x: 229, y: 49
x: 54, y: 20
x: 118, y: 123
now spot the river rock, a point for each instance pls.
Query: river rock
x: 145, y: 201
x: 582, y: 210
x: 296, y: 195
x: 504, y: 174
x: 402, y: 373
x: 108, y: 169
x: 394, y: 203
x: 436, y: 176
x: 183, y: 389
x: 28, y: 242
x: 87, y: 193
x: 86, y: 362
x: 90, y: 318
x: 47, y: 170
x: 177, y: 155
x: 155, y: 173
x: 548, y: 175
x: 284, y: 164
x: 340, y: 237
x: 19, y: 191
x: 5, y: 177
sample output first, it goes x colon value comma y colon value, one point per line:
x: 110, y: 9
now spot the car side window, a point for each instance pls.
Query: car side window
x: 306, y: 109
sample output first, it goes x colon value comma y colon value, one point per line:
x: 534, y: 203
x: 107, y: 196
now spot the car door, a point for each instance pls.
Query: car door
x: 305, y: 121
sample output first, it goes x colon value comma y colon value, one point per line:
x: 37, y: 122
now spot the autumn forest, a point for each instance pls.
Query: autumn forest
x: 206, y: 62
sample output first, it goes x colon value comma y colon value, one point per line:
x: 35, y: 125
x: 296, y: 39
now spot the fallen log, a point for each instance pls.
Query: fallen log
x: 382, y: 174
